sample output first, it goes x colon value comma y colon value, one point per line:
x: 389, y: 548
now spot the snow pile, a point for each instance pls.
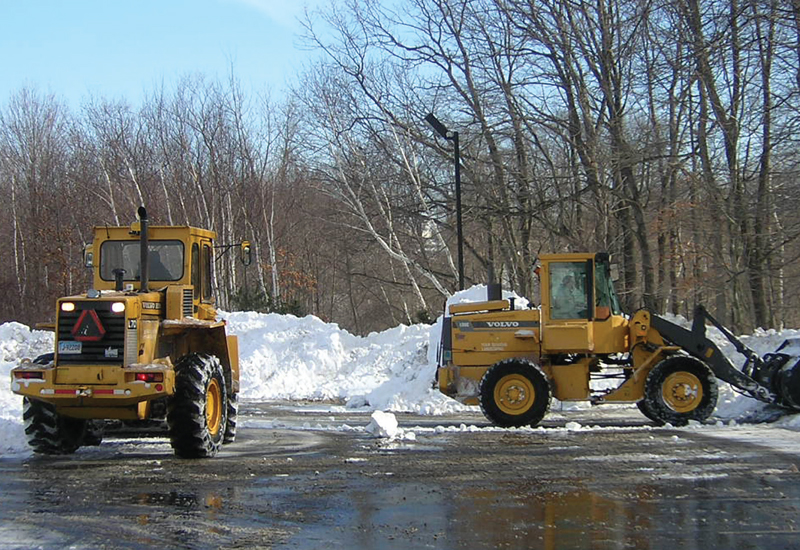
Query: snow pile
x: 16, y: 342
x: 283, y: 357
x: 383, y: 424
x: 478, y: 293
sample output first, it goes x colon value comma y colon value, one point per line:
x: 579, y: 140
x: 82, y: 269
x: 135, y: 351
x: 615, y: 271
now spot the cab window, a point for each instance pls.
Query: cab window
x: 606, y: 296
x: 165, y: 260
x: 568, y: 295
x: 207, y: 272
x: 196, y: 270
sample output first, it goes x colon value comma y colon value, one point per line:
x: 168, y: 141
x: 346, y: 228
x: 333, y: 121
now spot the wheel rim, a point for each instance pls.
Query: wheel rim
x: 214, y: 406
x: 682, y: 391
x: 514, y: 394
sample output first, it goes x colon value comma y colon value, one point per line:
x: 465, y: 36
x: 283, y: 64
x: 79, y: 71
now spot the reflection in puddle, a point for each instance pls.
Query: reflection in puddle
x: 210, y: 505
x: 173, y: 498
x: 526, y: 515
x: 574, y: 519
x: 181, y: 500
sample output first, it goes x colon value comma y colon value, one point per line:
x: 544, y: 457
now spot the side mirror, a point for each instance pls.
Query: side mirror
x: 88, y: 255
x: 246, y: 255
x: 615, y: 272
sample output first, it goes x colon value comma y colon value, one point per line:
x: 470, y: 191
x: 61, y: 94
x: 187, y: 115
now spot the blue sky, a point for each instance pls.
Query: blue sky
x: 122, y: 49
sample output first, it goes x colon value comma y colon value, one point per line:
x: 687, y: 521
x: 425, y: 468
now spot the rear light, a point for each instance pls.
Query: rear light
x: 149, y: 377
x: 29, y: 375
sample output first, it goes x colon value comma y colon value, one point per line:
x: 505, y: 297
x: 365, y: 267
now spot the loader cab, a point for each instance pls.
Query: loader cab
x: 179, y: 259
x: 580, y: 308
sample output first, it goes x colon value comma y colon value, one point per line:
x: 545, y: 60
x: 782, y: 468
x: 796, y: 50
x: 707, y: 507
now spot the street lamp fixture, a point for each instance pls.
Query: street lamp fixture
x: 441, y: 129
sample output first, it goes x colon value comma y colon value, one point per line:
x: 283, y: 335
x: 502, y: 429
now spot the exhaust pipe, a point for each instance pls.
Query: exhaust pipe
x: 494, y: 290
x: 144, y: 249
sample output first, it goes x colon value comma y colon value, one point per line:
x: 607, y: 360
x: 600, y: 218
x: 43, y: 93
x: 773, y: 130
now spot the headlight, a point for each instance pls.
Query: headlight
x: 67, y: 306
x: 118, y: 307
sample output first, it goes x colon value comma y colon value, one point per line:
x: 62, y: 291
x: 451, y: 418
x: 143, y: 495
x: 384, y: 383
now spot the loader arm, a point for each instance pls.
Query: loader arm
x: 697, y: 344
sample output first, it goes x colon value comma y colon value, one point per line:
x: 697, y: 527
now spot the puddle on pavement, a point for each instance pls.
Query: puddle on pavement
x: 647, y: 516
x: 173, y: 498
x: 210, y: 505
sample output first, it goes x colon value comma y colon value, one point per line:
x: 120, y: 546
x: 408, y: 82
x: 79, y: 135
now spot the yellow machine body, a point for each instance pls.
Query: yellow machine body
x: 116, y: 345
x: 567, y: 345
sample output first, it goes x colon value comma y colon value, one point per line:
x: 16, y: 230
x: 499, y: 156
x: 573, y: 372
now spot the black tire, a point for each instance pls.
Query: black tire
x: 230, y: 425
x: 514, y: 392
x: 643, y: 408
x: 49, y: 432
x: 197, y: 413
x: 95, y: 429
x: 679, y: 389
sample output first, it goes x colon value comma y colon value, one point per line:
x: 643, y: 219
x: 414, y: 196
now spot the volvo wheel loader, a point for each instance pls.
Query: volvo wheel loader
x: 142, y: 344
x: 512, y: 360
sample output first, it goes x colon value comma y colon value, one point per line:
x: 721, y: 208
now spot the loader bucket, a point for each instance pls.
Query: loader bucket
x: 781, y: 373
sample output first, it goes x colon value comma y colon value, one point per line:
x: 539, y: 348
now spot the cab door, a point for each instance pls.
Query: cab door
x: 207, y: 272
x: 202, y: 279
x: 568, y: 306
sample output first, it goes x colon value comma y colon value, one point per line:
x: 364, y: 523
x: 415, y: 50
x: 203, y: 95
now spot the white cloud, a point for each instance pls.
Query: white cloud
x: 281, y: 12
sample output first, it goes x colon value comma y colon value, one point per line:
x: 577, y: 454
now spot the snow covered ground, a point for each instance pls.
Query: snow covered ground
x: 283, y: 357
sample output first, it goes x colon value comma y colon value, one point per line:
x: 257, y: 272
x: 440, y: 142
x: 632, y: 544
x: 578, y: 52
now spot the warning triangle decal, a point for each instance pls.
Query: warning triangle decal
x: 88, y: 328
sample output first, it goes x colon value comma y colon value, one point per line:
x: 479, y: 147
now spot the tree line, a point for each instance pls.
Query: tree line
x: 663, y: 132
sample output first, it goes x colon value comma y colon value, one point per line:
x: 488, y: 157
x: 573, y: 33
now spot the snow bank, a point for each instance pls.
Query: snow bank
x: 16, y: 342
x: 286, y: 357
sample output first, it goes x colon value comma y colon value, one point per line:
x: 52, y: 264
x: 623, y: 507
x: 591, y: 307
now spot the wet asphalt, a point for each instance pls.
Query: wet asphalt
x: 308, y: 478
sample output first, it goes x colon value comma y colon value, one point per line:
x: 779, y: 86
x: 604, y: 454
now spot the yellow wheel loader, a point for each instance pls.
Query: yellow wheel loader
x: 143, y: 344
x: 512, y: 361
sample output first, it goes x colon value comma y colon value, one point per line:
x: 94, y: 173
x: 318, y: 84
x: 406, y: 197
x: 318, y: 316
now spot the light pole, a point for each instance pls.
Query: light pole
x: 441, y: 129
